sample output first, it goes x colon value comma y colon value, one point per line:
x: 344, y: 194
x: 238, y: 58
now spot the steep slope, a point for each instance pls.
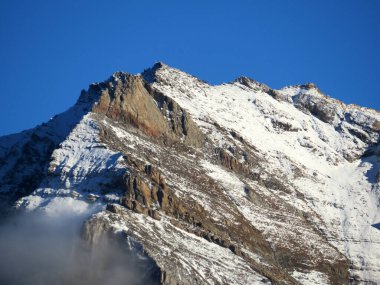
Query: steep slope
x: 229, y: 184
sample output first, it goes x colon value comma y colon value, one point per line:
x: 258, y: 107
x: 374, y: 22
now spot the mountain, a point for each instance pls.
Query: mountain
x: 236, y: 183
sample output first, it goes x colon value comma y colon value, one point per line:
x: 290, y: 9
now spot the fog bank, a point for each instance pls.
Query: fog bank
x: 38, y: 249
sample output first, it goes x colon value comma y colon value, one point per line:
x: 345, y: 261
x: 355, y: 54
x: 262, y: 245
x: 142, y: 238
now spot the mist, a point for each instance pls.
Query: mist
x: 39, y: 249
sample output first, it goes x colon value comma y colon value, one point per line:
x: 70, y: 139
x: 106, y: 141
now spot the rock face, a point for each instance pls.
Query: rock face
x: 125, y: 99
x: 129, y: 99
x: 230, y: 184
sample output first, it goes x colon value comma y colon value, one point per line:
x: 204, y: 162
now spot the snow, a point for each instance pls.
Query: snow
x: 275, y: 230
x: 339, y: 191
x: 82, y: 155
x: 311, y: 277
x: 30, y: 202
x: 349, y: 207
x: 130, y: 138
x: 81, y: 165
x: 192, y: 252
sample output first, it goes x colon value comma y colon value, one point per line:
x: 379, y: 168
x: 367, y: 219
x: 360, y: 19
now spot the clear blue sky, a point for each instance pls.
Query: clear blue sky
x: 50, y: 50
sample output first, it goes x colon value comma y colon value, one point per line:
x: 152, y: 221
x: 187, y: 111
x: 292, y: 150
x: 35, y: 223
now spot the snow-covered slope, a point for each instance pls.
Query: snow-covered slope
x: 230, y: 184
x: 338, y: 184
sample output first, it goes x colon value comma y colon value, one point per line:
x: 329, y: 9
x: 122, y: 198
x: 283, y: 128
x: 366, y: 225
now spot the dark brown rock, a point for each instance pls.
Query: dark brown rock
x: 126, y: 99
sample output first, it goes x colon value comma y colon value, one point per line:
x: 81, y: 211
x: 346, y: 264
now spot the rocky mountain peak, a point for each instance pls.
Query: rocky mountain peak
x: 149, y: 74
x: 124, y: 97
x: 235, y: 183
x: 253, y: 84
x: 309, y: 86
x: 120, y: 75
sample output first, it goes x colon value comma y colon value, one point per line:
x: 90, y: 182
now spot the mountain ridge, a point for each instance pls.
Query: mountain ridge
x: 218, y: 166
